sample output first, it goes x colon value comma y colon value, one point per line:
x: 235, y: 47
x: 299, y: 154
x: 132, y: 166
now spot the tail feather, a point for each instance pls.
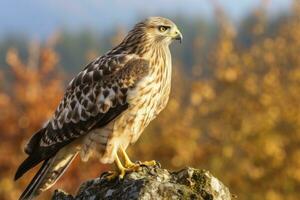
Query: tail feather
x: 27, y: 164
x: 29, y: 192
x: 48, y: 174
x: 33, y: 158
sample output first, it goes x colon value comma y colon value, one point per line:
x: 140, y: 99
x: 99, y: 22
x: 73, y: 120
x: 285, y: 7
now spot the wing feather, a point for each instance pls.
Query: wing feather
x: 96, y: 96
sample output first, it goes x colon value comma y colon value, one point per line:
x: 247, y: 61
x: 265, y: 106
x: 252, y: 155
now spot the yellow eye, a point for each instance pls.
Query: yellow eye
x: 162, y: 28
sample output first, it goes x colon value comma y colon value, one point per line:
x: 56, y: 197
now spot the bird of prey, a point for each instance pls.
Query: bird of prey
x: 106, y: 106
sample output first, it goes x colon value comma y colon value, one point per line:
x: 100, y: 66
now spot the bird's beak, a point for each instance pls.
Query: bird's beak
x: 178, y: 35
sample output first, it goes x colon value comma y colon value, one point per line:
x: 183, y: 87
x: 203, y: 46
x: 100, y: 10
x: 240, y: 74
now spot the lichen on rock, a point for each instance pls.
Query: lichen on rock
x: 152, y: 183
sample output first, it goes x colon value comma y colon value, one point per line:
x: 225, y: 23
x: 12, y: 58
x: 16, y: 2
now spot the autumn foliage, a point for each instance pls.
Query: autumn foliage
x: 240, y: 119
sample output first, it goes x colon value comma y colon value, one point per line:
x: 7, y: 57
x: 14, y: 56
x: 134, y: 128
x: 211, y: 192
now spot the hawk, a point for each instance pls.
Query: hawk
x: 106, y: 106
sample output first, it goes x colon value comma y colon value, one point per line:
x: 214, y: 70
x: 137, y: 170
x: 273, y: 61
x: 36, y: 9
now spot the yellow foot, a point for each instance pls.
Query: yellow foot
x: 148, y: 163
x: 132, y: 166
x: 117, y: 174
x: 135, y: 166
x: 120, y: 172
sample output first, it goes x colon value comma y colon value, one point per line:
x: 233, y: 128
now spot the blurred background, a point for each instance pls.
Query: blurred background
x: 234, y: 108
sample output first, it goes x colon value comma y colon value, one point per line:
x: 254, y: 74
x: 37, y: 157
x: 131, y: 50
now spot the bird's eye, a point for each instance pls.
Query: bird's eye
x: 163, y: 28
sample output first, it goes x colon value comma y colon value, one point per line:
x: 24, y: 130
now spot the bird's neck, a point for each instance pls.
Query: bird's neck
x: 158, y: 53
x: 160, y: 61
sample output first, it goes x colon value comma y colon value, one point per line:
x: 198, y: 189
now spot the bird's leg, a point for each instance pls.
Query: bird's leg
x: 120, y: 172
x: 132, y: 165
x: 128, y: 163
x: 148, y: 163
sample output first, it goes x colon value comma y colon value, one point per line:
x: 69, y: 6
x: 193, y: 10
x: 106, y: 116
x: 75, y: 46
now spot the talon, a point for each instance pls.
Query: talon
x: 129, y: 166
x: 118, y: 174
x: 132, y: 166
x: 149, y: 163
x: 123, y: 173
x: 121, y: 170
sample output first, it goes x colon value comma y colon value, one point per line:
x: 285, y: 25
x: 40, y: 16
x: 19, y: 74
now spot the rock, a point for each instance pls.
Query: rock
x: 152, y: 183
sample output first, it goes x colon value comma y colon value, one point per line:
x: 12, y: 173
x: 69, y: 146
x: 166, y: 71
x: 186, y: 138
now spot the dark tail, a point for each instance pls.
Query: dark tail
x: 33, y: 158
x: 48, y: 174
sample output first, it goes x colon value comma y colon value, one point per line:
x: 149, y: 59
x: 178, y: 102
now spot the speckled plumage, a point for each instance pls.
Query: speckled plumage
x: 106, y: 106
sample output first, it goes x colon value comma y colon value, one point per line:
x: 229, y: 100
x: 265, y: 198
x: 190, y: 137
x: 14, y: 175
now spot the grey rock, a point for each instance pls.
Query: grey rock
x: 152, y: 183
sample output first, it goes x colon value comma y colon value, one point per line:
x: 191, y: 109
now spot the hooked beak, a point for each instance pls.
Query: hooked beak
x: 178, y: 36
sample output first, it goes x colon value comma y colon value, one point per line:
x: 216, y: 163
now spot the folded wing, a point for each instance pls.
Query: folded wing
x: 96, y: 96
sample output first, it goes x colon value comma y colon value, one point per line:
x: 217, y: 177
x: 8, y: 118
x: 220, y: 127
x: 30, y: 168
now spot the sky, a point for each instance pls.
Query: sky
x: 40, y: 18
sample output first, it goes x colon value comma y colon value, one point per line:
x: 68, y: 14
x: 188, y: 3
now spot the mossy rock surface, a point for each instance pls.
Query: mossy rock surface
x: 152, y: 183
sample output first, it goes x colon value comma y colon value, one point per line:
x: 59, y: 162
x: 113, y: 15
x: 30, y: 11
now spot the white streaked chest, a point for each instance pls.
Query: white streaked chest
x: 148, y: 98
x: 151, y: 92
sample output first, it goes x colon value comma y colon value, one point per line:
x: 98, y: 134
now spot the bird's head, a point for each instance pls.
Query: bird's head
x: 156, y: 30
x: 153, y: 31
x: 161, y: 30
